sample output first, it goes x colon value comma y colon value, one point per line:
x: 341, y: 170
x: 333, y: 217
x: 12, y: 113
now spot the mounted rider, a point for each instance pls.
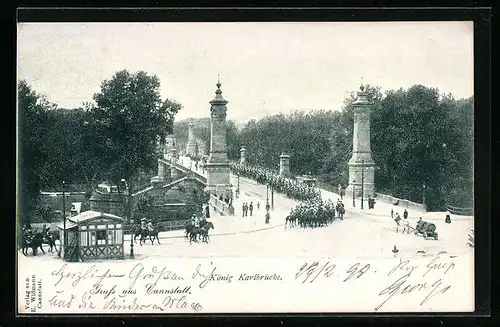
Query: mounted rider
x: 143, y: 224
x: 45, y: 230
x: 203, y: 220
x: 27, y: 232
x: 195, y: 221
x: 150, y: 226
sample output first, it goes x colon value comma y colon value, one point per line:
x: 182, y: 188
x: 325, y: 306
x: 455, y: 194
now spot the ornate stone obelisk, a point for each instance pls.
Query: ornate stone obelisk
x: 191, y: 144
x: 361, y: 164
x: 217, y: 167
x: 243, y: 155
x: 285, y: 165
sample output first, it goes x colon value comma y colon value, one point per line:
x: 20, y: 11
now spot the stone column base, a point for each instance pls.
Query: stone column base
x: 368, y: 190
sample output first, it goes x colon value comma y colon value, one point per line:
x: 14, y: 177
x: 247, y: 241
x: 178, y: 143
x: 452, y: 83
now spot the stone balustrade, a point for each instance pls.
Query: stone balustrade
x: 221, y: 206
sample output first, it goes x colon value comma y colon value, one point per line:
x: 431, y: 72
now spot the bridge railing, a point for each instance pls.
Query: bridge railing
x: 221, y: 206
x: 460, y: 211
x: 400, y: 202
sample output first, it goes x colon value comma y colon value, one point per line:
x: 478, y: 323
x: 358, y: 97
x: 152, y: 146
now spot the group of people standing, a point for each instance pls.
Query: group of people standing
x: 245, y: 208
x: 397, y: 217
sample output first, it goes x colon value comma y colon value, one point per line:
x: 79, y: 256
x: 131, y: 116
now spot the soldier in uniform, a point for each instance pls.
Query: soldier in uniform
x: 150, y: 225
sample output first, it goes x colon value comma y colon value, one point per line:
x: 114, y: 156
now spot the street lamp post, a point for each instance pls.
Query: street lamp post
x: 129, y: 214
x: 362, y: 181
x: 65, y: 234
x: 267, y: 192
x: 272, y: 197
x: 238, y: 188
x: 353, y: 194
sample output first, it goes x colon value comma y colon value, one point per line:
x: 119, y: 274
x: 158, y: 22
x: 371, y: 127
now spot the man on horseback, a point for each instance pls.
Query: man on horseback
x: 150, y: 226
x: 195, y: 221
x: 143, y: 224
x: 203, y: 221
x: 27, y: 233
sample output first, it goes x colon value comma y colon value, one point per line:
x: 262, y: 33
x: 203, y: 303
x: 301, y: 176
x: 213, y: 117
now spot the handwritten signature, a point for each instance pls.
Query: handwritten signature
x: 400, y: 287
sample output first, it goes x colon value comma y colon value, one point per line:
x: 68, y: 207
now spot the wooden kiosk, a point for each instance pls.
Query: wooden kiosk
x: 92, y: 235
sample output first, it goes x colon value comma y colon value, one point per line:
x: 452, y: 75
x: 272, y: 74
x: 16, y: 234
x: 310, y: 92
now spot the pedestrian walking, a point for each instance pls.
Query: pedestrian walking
x: 258, y: 206
x: 405, y: 214
x: 207, y: 211
x: 243, y: 209
x: 392, y: 213
x: 448, y: 218
x: 251, y: 208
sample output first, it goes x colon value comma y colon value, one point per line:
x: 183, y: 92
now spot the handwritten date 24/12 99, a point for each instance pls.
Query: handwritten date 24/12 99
x: 311, y: 271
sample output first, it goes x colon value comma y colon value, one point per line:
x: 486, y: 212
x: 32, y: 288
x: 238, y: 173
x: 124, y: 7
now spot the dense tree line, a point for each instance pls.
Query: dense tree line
x: 116, y: 136
x: 418, y: 137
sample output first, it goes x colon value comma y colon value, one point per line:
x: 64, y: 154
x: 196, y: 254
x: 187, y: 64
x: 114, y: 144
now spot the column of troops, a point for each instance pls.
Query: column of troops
x: 314, y: 213
x: 292, y: 188
x: 311, y: 212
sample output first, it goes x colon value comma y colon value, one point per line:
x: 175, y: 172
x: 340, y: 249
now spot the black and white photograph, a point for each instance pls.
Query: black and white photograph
x: 245, y: 167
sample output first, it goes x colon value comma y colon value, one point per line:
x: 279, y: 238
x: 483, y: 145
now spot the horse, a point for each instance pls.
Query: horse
x: 50, y: 240
x: 200, y: 233
x: 144, y: 233
x: 188, y: 227
x: 204, y: 231
x: 194, y: 233
x: 291, y: 221
x: 404, y: 223
x: 34, y: 243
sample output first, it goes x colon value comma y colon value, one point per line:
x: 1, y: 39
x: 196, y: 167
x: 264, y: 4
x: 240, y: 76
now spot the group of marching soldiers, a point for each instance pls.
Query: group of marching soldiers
x: 292, y: 188
x: 315, y: 213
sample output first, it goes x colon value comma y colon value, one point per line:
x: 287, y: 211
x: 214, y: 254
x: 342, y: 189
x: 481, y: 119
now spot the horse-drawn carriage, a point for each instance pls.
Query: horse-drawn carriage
x: 428, y: 230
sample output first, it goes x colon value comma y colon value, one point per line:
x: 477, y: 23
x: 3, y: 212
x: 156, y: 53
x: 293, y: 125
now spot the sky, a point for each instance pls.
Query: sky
x: 264, y: 68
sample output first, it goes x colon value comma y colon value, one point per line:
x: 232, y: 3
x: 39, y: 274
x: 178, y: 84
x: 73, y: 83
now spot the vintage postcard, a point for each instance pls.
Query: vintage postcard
x: 245, y: 167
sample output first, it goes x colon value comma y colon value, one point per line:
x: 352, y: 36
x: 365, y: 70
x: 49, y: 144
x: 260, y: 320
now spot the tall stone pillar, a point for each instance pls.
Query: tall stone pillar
x: 285, y: 165
x: 169, y: 145
x: 361, y: 164
x: 217, y: 166
x: 161, y: 170
x: 191, y: 144
x: 174, y: 156
x: 243, y: 155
